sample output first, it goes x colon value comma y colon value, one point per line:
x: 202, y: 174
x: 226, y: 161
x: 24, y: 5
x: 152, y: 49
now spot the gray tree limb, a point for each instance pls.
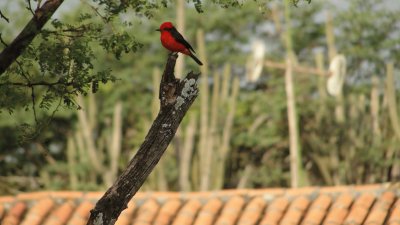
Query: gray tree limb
x: 30, y: 31
x: 176, y: 97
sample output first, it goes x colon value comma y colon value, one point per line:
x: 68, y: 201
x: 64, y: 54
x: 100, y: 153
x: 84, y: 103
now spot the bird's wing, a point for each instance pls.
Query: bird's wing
x: 179, y: 38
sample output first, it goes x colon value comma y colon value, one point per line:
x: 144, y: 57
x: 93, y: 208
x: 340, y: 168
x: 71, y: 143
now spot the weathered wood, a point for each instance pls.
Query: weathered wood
x: 176, y: 97
x: 297, y: 69
x: 33, y: 28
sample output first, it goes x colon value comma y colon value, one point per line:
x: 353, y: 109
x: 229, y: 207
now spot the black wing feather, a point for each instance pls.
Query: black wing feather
x: 179, y: 38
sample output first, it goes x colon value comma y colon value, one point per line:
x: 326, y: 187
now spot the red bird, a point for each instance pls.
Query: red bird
x: 172, y: 40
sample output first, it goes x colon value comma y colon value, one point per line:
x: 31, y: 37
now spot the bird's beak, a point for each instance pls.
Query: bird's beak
x: 158, y: 30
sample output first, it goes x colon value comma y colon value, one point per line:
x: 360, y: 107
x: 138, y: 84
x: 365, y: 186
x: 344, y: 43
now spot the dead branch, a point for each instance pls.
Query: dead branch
x: 176, y: 97
x: 298, y: 69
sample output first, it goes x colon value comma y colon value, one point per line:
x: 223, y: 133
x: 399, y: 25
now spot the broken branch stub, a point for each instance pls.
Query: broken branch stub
x: 176, y: 97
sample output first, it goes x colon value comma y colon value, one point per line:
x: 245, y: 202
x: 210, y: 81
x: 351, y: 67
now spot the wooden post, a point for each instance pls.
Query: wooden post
x: 391, y: 98
x: 296, y: 169
x: 332, y: 52
x: 204, y: 118
x: 180, y: 25
x: 293, y: 129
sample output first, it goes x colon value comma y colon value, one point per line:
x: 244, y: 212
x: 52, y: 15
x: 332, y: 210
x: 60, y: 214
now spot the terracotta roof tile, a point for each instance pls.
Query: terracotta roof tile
x: 294, y: 192
x: 271, y: 192
x: 126, y: 216
x: 32, y: 195
x: 81, y: 214
x: 38, y: 212
x: 317, y: 210
x: 2, y: 211
x: 394, y: 218
x: 67, y: 194
x: 275, y: 211
x: 296, y: 211
x: 168, y: 212
x: 253, y: 211
x: 188, y: 213
x: 231, y: 211
x: 360, y: 209
x: 381, y: 209
x: 147, y: 212
x: 339, y: 209
x: 14, y: 215
x: 369, y: 205
x: 61, y: 214
x: 7, y: 199
x: 208, y: 214
x: 93, y: 195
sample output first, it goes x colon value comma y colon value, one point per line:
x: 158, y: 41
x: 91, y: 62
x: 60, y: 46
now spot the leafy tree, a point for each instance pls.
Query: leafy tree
x: 367, y: 32
x: 113, y: 31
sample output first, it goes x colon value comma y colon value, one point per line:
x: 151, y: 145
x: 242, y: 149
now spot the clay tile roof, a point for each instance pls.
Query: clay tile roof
x: 167, y: 212
x: 81, y: 214
x: 317, y: 210
x: 14, y: 215
x: 147, y: 212
x: 394, y: 218
x: 188, y: 213
x: 61, y: 214
x: 126, y: 216
x: 253, y: 211
x: 339, y: 209
x: 360, y: 209
x: 38, y: 212
x: 2, y: 211
x: 349, y: 205
x: 231, y: 211
x: 296, y: 211
x: 208, y: 214
x: 275, y: 211
x: 381, y: 209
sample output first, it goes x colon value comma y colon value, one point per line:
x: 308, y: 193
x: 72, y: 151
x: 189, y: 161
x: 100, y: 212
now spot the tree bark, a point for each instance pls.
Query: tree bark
x: 176, y: 97
x: 33, y: 28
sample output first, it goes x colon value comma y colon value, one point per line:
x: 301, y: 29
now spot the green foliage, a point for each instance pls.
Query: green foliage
x: 367, y: 33
x: 114, y: 41
x: 120, y: 43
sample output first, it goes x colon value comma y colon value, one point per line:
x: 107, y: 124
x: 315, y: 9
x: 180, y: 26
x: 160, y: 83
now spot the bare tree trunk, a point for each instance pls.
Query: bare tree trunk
x: 176, y: 98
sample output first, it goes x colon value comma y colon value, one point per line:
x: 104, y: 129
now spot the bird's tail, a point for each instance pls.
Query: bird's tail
x: 196, y: 59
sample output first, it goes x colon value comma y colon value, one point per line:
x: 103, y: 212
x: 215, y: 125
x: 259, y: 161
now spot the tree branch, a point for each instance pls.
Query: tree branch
x: 33, y: 104
x: 33, y: 28
x: 4, y: 17
x: 30, y: 7
x: 2, y: 41
x: 176, y: 97
x: 39, y: 83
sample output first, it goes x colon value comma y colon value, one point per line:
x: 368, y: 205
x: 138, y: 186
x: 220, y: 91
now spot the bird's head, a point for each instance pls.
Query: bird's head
x: 165, y: 26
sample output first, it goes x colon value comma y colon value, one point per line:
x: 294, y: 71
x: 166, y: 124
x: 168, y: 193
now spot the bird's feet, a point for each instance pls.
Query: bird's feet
x: 174, y: 54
